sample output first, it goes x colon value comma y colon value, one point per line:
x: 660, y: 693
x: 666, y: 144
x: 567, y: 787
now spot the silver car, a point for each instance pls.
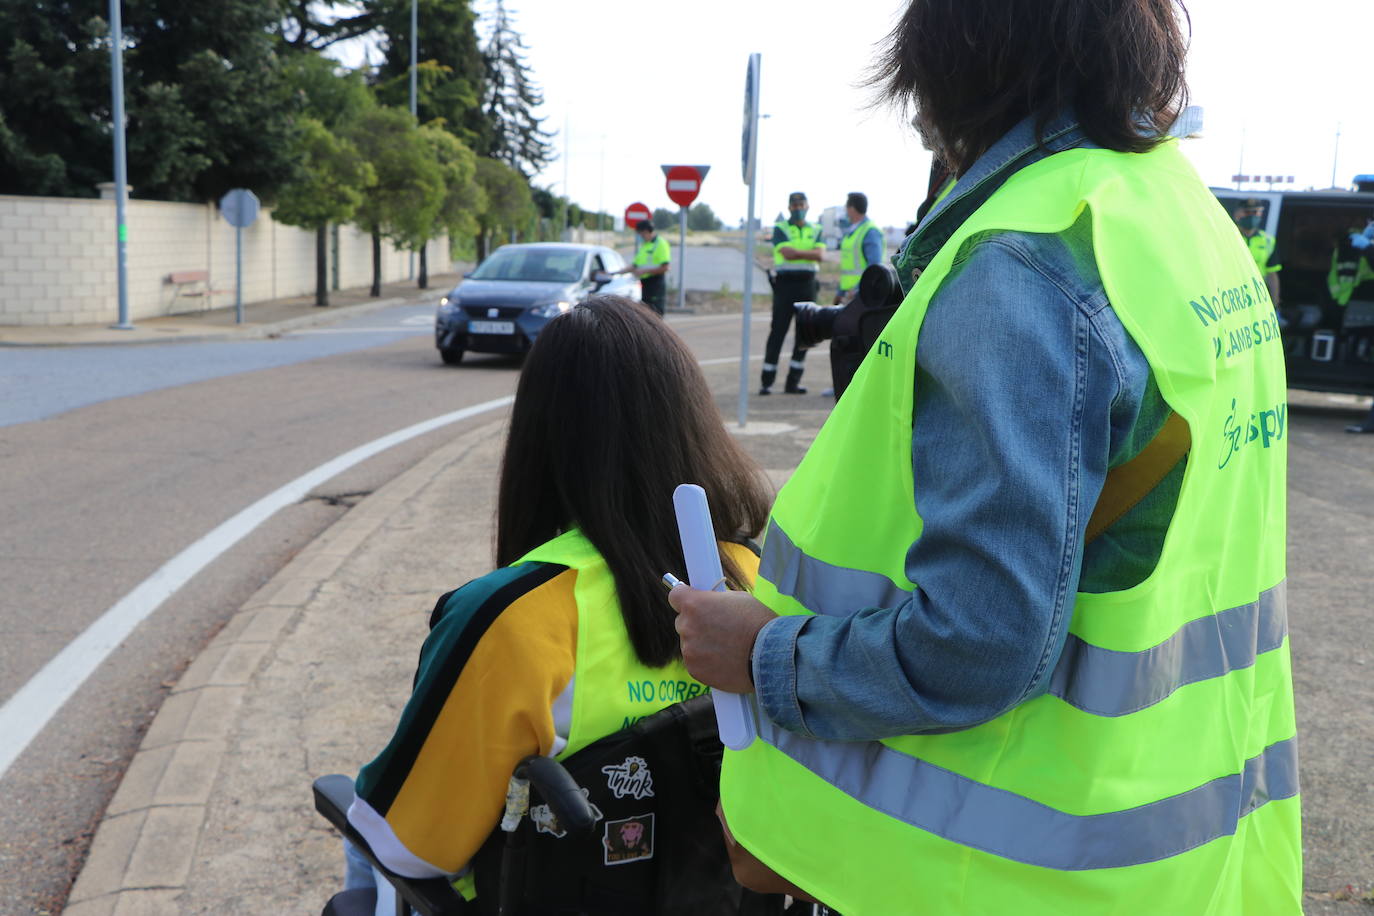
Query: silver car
x: 503, y: 304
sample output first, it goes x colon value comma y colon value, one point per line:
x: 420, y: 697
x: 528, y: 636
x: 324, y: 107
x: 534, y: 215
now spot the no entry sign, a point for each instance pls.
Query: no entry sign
x: 636, y: 213
x: 684, y: 183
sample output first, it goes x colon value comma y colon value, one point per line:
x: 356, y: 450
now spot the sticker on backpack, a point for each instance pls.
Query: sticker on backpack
x: 630, y: 778
x: 545, y: 821
x: 629, y: 840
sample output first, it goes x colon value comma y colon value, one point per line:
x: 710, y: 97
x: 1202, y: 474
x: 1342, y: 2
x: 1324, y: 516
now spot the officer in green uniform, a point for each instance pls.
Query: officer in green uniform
x: 1249, y: 218
x: 797, y: 248
x: 650, y: 265
x: 861, y: 246
x: 1350, y: 263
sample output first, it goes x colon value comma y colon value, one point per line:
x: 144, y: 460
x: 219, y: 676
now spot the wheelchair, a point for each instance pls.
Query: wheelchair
x: 624, y: 827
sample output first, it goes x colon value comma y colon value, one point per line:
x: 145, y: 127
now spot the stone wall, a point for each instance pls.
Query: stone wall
x: 57, y: 259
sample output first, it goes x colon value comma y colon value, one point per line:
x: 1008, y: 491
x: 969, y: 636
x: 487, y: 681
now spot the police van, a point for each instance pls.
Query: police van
x: 1325, y: 246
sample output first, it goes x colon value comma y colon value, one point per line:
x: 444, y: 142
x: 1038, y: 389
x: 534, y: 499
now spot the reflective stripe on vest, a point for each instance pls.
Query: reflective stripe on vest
x: 803, y: 238
x: 1101, y: 681
x: 612, y: 687
x: 1160, y: 765
x: 1008, y: 825
x: 852, y: 260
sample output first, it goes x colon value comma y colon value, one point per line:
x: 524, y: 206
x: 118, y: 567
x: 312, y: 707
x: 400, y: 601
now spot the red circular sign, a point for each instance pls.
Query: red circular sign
x: 684, y: 182
x: 635, y: 214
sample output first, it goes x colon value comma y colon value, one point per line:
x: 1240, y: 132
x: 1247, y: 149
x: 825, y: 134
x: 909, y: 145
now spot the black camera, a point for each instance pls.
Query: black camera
x: 853, y: 328
x: 815, y: 323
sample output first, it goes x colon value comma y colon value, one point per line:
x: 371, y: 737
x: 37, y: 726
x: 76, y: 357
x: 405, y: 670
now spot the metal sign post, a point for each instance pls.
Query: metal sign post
x: 239, y: 208
x: 683, y: 185
x: 682, y: 258
x: 749, y: 159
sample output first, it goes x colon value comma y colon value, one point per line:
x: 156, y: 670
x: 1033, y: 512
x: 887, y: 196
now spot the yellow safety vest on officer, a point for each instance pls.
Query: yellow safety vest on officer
x: 1159, y: 773
x: 802, y: 238
x: 1262, y: 246
x: 852, y: 260
x: 653, y: 253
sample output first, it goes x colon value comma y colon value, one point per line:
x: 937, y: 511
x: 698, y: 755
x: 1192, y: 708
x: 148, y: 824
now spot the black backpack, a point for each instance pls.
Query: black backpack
x: 653, y: 844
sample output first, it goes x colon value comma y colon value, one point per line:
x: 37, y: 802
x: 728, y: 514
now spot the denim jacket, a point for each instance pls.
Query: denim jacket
x: 1017, y: 436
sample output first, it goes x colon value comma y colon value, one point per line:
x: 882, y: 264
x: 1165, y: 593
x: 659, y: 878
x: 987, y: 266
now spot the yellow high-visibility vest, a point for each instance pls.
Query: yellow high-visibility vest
x: 1159, y: 773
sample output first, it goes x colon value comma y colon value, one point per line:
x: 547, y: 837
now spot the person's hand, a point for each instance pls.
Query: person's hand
x: 717, y: 632
x: 787, y: 251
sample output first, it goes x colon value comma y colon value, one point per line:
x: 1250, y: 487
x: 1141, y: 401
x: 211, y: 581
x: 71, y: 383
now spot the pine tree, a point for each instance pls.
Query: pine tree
x: 509, y: 98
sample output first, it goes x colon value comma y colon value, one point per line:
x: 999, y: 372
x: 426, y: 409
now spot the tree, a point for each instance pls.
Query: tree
x: 328, y: 188
x: 664, y: 218
x: 509, y: 205
x: 701, y: 218
x: 204, y: 96
x: 402, y: 203
x: 324, y: 90
x: 449, y: 80
x: 509, y: 98
x: 463, y: 197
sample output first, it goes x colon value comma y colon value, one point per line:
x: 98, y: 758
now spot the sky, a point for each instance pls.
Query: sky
x: 629, y: 86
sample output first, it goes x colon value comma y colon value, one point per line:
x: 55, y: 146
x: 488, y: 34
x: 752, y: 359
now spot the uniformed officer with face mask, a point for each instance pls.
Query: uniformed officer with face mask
x: 797, y: 248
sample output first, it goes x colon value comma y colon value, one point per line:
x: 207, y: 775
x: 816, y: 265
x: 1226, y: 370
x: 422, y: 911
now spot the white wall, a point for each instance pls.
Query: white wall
x: 57, y: 259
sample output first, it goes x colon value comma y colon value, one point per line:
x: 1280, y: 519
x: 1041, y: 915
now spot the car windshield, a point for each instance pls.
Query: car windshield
x: 549, y: 265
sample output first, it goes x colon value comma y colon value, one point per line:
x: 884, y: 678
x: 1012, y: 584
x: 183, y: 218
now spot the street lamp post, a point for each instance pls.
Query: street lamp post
x: 121, y: 171
x: 1336, y: 154
x: 414, y: 44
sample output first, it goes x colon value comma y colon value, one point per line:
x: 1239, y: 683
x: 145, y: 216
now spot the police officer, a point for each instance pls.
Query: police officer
x: 797, y: 248
x: 861, y: 246
x: 1249, y: 218
x: 651, y: 265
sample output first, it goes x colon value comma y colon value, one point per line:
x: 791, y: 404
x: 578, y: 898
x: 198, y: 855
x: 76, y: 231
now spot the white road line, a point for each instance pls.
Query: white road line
x: 26, y: 713
x: 29, y: 710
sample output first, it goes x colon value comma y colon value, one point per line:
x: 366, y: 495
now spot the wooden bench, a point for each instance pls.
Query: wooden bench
x: 189, y: 283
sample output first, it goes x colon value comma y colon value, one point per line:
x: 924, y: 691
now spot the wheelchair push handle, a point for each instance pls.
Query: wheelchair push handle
x: 562, y: 793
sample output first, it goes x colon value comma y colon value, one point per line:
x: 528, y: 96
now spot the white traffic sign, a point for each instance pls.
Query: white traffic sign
x: 749, y: 151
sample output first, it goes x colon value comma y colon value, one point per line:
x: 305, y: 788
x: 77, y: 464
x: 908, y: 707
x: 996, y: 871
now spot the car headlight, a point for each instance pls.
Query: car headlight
x: 551, y: 309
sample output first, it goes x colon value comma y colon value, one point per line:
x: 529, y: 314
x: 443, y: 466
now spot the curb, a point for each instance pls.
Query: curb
x: 246, y: 331
x: 147, y: 841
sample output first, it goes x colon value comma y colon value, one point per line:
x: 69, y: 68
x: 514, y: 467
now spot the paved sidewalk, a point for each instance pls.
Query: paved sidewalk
x: 261, y: 319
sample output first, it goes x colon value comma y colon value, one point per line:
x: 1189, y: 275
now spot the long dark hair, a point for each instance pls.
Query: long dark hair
x: 610, y: 415
x: 972, y: 69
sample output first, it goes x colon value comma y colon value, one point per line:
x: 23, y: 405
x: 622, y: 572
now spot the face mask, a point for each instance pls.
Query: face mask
x: 798, y: 213
x: 1249, y: 222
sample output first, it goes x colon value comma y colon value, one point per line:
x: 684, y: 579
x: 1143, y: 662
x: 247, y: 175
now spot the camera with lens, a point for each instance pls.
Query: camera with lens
x: 853, y: 328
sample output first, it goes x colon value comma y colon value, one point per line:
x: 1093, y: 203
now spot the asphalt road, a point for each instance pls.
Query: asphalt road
x: 116, y: 458
x: 710, y: 268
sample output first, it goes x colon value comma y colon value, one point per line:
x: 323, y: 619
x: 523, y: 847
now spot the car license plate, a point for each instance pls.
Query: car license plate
x: 491, y: 327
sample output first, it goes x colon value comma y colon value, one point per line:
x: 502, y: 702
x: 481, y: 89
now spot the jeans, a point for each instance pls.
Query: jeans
x: 359, y: 873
